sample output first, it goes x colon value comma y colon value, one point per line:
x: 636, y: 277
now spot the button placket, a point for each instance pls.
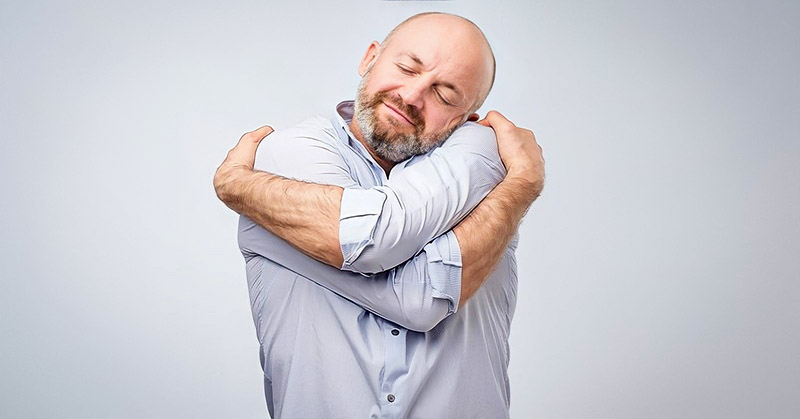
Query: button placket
x: 395, y: 368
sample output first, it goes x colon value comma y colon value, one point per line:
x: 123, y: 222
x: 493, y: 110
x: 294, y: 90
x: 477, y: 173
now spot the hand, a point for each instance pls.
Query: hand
x: 520, y: 152
x: 240, y: 158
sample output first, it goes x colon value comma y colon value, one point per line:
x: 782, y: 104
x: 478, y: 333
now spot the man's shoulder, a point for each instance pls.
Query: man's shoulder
x: 315, y: 128
x: 312, y: 134
x: 312, y: 140
x: 471, y: 139
x: 471, y: 145
x: 472, y: 133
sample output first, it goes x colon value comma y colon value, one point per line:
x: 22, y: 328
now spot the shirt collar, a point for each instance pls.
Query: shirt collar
x: 341, y: 121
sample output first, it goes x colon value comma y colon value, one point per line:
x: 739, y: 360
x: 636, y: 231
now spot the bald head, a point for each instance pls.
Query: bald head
x: 420, y: 84
x: 466, y: 32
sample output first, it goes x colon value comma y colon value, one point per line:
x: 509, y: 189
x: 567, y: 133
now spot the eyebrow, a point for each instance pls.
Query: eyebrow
x: 413, y: 57
x: 417, y: 60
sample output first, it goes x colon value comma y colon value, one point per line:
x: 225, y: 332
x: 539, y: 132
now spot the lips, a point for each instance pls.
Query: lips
x: 397, y: 112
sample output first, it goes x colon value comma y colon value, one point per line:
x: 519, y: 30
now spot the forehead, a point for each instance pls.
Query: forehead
x: 454, y: 50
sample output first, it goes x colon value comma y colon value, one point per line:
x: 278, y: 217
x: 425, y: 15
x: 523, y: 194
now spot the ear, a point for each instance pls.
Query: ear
x: 373, y: 51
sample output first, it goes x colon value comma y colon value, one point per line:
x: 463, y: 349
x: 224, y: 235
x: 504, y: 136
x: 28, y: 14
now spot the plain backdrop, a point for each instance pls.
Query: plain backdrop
x: 659, y: 270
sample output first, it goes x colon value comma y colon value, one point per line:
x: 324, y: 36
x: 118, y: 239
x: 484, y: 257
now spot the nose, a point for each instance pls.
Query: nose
x: 413, y: 93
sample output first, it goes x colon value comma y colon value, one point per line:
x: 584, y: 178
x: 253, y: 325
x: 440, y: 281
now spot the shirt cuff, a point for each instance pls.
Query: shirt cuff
x: 444, y: 268
x: 358, y: 217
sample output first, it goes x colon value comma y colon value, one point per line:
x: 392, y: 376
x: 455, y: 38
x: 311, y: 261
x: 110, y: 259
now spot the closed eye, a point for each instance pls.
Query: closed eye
x: 441, y: 97
x: 405, y: 70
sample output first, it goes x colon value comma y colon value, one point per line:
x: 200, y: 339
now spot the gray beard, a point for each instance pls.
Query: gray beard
x: 386, y: 143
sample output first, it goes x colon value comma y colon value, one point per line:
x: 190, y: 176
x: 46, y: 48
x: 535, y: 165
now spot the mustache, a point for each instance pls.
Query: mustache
x: 411, y: 112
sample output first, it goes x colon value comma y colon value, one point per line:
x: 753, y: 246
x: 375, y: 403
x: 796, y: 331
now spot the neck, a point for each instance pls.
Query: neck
x: 386, y: 165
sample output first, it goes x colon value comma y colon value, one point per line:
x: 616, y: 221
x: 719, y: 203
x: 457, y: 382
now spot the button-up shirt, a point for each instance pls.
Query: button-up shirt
x: 383, y: 336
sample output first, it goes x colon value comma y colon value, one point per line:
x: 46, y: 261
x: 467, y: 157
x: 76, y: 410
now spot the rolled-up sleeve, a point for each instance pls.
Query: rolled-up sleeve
x: 444, y: 268
x: 358, y: 216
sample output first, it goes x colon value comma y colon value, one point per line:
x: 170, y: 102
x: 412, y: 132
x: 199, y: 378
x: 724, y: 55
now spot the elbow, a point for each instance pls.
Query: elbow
x: 365, y: 258
x: 422, y: 327
x: 365, y: 264
x: 424, y: 318
x: 374, y: 257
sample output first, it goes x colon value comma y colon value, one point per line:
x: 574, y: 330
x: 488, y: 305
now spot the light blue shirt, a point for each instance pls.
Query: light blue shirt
x: 383, y: 337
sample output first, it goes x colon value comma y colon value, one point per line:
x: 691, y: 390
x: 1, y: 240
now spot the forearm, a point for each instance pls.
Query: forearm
x: 408, y: 295
x: 484, y: 235
x: 302, y: 213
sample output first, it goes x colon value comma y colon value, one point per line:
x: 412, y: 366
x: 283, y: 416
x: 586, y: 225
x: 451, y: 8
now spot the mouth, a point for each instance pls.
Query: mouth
x: 399, y: 115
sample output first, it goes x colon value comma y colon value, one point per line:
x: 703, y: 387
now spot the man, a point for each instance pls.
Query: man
x: 420, y: 326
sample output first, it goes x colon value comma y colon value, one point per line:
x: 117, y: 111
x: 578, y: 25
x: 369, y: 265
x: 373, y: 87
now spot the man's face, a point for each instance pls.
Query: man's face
x: 403, y: 133
x: 418, y: 89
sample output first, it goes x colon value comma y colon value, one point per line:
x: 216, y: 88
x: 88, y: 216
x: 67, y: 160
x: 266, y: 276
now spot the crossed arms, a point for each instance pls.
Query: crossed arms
x: 313, y: 218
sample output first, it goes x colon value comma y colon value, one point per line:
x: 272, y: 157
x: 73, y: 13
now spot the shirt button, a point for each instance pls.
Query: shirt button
x: 390, y: 398
x: 395, y: 332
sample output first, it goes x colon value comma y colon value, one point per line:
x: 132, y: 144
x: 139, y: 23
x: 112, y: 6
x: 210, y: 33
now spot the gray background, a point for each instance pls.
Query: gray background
x: 659, y: 269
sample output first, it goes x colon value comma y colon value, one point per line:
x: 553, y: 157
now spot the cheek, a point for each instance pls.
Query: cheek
x: 436, y: 121
x: 381, y: 80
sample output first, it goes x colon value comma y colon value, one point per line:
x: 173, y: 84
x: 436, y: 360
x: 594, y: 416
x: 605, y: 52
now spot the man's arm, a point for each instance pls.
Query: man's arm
x: 417, y: 295
x: 398, y: 295
x: 295, y: 211
x: 381, y: 227
x: 423, y: 198
x: 486, y: 232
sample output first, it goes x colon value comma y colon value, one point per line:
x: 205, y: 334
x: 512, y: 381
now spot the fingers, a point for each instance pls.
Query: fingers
x: 244, y: 153
x: 496, y: 120
x: 257, y: 135
x: 250, y: 141
x: 474, y: 117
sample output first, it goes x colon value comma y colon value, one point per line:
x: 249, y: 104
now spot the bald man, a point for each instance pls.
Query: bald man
x: 378, y: 242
